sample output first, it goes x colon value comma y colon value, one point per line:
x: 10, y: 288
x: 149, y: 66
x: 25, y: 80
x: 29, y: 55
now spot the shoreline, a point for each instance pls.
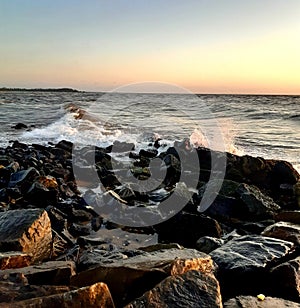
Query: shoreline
x: 255, y: 216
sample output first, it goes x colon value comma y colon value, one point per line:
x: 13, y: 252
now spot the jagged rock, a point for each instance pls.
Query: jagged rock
x: 96, y: 295
x: 256, y: 204
x: 207, y: 244
x: 14, y: 259
x: 47, y: 273
x: 149, y: 153
x: 284, y: 231
x: 243, y: 262
x: 285, y: 280
x: 20, y: 126
x: 191, y: 289
x: 27, y: 230
x: 21, y: 176
x: 131, y: 277
x: 160, y: 246
x: 186, y: 228
x: 254, y: 302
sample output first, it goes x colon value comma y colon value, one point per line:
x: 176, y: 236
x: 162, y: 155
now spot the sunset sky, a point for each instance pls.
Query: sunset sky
x: 206, y: 46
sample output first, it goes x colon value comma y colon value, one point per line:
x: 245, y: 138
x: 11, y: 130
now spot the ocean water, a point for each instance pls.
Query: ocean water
x: 265, y: 126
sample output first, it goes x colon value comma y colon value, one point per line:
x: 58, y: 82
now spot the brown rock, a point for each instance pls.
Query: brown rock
x: 289, y: 216
x: 96, y: 295
x: 285, y: 279
x: 191, y: 289
x: 254, y: 302
x: 26, y: 230
x: 48, y: 273
x: 14, y: 259
x: 285, y: 231
x: 130, y: 278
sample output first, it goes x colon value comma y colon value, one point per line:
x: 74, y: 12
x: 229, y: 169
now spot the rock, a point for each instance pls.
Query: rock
x: 191, y: 289
x: 65, y: 145
x: 160, y: 246
x: 254, y: 302
x: 38, y: 194
x: 12, y: 292
x: 14, y: 259
x: 243, y: 262
x: 256, y: 205
x: 285, y: 231
x: 20, y: 126
x: 186, y: 228
x: 207, y: 244
x: 20, y: 177
x: 149, y: 153
x: 285, y: 280
x: 96, y: 295
x: 120, y: 147
x: 47, y: 273
x: 288, y: 216
x: 297, y: 193
x: 27, y: 230
x: 131, y: 277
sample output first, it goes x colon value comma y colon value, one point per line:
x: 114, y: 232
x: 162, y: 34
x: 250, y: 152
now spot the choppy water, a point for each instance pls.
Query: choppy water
x: 266, y: 126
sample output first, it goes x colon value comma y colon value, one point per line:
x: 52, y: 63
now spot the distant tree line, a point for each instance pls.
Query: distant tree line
x: 40, y: 89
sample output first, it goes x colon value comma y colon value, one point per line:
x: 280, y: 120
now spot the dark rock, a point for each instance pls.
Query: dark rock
x: 120, y: 147
x: 96, y: 295
x: 65, y: 145
x: 256, y: 204
x: 289, y: 216
x: 80, y: 230
x: 96, y: 223
x: 25, y: 175
x: 207, y: 244
x: 191, y: 289
x: 243, y: 263
x: 254, y: 302
x: 285, y: 280
x: 28, y: 231
x: 131, y: 277
x: 160, y: 246
x: 58, y: 218
x: 285, y: 231
x: 149, y: 153
x: 20, y: 126
x: 186, y: 228
x: 47, y: 273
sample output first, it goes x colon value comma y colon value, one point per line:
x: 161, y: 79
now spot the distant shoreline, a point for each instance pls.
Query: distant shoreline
x: 4, y: 89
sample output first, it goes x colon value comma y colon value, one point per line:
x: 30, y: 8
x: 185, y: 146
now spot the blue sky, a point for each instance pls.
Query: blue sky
x: 205, y: 46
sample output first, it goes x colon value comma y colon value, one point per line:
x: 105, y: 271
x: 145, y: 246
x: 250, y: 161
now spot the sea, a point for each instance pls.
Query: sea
x: 266, y: 126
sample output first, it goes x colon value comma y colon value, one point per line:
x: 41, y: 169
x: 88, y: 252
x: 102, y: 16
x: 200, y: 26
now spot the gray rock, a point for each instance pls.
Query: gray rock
x: 243, y: 262
x: 254, y: 302
x: 192, y: 289
x: 207, y: 243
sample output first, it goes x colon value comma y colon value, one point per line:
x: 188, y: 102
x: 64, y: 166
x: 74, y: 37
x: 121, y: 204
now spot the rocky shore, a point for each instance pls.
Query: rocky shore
x: 56, y: 250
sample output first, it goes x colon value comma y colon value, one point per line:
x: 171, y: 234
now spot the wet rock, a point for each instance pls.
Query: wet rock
x: 186, y: 228
x: 96, y: 295
x: 243, y: 262
x: 65, y: 145
x: 20, y: 126
x: 192, y: 289
x: 207, y: 244
x: 47, y: 273
x: 25, y: 175
x: 285, y: 280
x: 149, y: 153
x: 256, y: 204
x: 27, y: 230
x: 120, y: 147
x: 14, y: 259
x: 131, y: 277
x: 284, y: 231
x: 254, y: 302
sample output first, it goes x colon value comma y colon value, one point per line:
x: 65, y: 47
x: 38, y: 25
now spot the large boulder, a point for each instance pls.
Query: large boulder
x: 131, y: 277
x: 243, y: 262
x: 191, y: 289
x: 26, y: 230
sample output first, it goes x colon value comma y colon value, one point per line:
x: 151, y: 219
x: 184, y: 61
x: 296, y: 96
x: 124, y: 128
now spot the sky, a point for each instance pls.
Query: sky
x: 205, y: 46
